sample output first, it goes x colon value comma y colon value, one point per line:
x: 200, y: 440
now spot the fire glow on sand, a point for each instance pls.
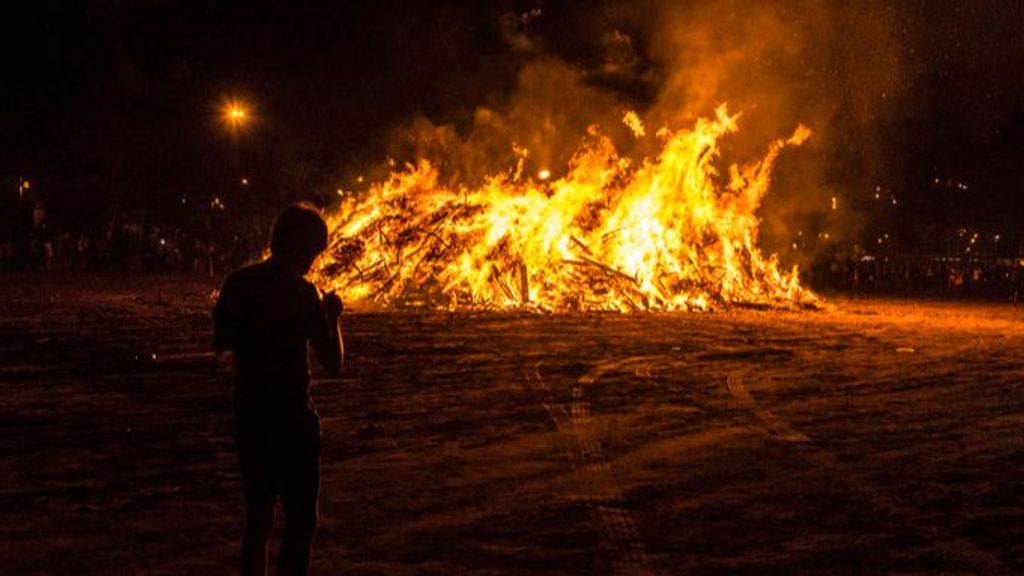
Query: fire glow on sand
x: 668, y: 233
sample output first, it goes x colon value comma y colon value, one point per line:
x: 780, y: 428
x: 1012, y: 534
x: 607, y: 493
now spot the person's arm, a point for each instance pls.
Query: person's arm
x: 223, y: 319
x: 224, y: 322
x: 328, y: 342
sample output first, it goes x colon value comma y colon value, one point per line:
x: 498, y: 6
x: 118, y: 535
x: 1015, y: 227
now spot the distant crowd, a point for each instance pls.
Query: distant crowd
x: 937, y: 276
x: 128, y: 246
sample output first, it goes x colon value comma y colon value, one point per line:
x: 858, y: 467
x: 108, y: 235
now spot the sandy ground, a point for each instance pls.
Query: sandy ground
x: 876, y: 437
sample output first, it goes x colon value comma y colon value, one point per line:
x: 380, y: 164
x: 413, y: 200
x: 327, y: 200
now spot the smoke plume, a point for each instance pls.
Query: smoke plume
x: 839, y: 69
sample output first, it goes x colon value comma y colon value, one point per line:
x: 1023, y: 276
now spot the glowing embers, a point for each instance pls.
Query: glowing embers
x: 662, y: 234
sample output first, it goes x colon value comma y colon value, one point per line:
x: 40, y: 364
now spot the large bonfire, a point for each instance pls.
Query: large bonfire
x: 663, y: 234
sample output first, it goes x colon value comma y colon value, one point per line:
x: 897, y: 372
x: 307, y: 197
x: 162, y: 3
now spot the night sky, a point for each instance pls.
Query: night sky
x: 117, y: 103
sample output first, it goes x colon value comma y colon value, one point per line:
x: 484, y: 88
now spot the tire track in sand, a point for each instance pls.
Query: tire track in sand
x: 600, y: 489
x: 948, y: 542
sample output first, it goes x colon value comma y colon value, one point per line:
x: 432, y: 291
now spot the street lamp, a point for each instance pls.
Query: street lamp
x: 238, y: 117
x: 235, y: 114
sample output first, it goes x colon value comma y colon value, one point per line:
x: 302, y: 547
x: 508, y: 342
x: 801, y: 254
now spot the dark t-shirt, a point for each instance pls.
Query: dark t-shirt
x: 267, y: 316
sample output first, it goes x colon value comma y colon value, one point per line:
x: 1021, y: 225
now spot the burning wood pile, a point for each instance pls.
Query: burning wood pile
x: 614, y: 235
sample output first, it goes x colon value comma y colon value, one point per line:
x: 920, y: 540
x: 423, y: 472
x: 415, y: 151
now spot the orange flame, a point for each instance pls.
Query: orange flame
x: 609, y: 235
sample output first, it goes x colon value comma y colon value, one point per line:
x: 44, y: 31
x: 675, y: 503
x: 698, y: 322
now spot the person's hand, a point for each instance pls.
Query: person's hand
x: 333, y: 305
x: 225, y: 362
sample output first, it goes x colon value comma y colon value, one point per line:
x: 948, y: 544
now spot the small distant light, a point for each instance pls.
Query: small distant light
x: 163, y: 242
x: 184, y: 200
x: 245, y: 181
x: 936, y: 181
x: 877, y: 196
x: 359, y: 179
x: 835, y: 204
x: 544, y: 174
x: 794, y: 246
x: 893, y: 201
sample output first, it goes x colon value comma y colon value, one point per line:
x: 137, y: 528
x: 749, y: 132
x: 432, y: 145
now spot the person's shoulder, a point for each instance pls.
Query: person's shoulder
x: 237, y: 285
x: 246, y: 274
x: 308, y: 289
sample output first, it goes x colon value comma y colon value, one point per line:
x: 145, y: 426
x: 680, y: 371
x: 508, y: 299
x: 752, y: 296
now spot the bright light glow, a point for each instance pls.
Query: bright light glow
x: 544, y: 174
x: 236, y: 114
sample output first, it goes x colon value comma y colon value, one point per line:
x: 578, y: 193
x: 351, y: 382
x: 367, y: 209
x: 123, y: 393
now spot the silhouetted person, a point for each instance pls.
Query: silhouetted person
x: 267, y: 314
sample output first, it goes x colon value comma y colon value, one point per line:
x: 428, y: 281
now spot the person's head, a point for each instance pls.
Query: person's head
x: 300, y: 235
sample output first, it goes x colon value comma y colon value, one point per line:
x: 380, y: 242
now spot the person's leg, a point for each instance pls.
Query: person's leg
x: 299, y: 499
x: 258, y: 518
x: 260, y: 498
